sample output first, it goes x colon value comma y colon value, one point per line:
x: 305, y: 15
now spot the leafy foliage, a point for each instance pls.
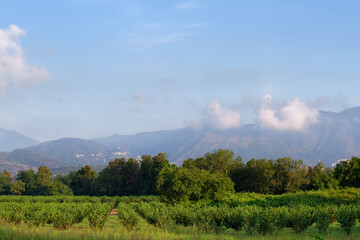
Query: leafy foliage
x: 346, y: 215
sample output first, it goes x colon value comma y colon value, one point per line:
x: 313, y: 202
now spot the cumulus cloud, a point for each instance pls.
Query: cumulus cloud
x: 215, y: 116
x: 295, y: 116
x: 13, y: 69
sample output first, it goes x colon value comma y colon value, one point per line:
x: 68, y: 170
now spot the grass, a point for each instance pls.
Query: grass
x: 114, y: 230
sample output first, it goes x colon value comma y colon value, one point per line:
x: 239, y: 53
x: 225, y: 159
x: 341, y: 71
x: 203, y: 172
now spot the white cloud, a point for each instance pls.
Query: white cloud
x: 215, y: 116
x: 13, y: 69
x: 295, y: 116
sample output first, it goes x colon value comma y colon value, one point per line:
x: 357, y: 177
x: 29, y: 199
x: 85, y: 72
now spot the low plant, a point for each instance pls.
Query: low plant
x: 346, y: 215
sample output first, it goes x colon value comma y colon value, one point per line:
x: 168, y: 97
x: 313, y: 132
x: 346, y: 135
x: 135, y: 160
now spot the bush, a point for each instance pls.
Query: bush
x: 63, y: 216
x: 127, y: 215
x: 282, y: 218
x: 301, y: 218
x: 98, y: 215
x: 158, y: 214
x: 324, y: 216
x: 212, y: 218
x: 346, y: 215
x: 234, y: 219
x: 266, y: 221
x: 12, y: 212
x: 251, y: 215
x: 184, y: 215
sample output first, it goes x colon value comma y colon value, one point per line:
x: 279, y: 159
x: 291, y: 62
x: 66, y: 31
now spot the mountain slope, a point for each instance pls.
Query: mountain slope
x: 63, y: 152
x: 10, y: 140
x: 336, y: 136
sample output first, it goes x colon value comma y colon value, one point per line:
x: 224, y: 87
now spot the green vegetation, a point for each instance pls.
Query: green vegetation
x: 211, y: 196
x: 241, y: 216
x: 213, y: 177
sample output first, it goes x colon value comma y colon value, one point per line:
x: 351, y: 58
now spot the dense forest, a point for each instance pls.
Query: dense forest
x: 212, y: 177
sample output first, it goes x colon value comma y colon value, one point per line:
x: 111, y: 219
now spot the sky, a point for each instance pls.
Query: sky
x: 94, y: 68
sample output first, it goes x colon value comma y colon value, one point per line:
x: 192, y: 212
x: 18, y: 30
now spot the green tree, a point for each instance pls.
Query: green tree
x: 256, y: 176
x: 348, y: 173
x: 17, y: 187
x: 145, y: 175
x: 217, y: 161
x: 29, y: 178
x: 130, y: 177
x: 5, y: 182
x: 44, y: 181
x: 320, y: 177
x: 190, y: 183
x: 289, y: 176
x: 150, y: 168
x: 120, y: 177
x: 82, y: 181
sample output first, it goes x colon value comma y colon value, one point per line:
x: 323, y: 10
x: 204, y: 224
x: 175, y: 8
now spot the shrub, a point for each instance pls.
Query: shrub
x: 234, y: 219
x: 80, y: 211
x: 184, y: 215
x: 346, y: 215
x: 127, y: 215
x: 301, y: 218
x: 251, y: 214
x: 62, y: 216
x: 282, y: 218
x: 158, y: 214
x: 324, y: 216
x: 98, y: 214
x: 266, y: 221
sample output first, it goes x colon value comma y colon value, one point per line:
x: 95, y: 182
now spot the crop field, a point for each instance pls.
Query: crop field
x: 328, y: 214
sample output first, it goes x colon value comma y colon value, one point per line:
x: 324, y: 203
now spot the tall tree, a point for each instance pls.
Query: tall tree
x: 149, y: 171
x: 130, y: 177
x: 219, y: 161
x: 29, y: 178
x: 120, y: 177
x: 17, y: 187
x: 191, y: 183
x: 5, y: 182
x: 44, y: 181
x: 348, y: 173
x: 82, y: 181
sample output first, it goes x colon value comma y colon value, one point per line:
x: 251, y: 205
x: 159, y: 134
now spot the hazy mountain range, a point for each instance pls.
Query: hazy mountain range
x: 336, y: 136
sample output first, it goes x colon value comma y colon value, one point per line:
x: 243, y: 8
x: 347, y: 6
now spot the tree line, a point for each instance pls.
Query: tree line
x: 215, y: 175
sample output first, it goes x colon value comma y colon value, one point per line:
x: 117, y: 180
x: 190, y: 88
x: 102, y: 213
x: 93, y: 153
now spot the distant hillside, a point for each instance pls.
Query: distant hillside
x: 73, y: 151
x: 11, y: 140
x: 59, y: 153
x: 335, y: 137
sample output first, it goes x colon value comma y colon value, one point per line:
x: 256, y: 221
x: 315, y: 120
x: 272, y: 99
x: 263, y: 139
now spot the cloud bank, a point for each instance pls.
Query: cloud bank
x: 13, y: 69
x: 295, y: 116
x: 217, y: 117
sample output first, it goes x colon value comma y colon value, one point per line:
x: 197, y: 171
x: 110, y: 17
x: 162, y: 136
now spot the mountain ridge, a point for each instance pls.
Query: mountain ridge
x: 336, y: 136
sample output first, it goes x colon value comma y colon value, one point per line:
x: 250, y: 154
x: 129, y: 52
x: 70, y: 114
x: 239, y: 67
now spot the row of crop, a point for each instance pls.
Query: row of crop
x: 61, y: 215
x: 249, y: 218
x: 78, y: 199
x: 311, y: 198
x: 58, y: 199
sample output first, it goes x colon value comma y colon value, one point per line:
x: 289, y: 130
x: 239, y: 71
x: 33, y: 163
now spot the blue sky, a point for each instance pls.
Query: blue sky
x: 93, y: 68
